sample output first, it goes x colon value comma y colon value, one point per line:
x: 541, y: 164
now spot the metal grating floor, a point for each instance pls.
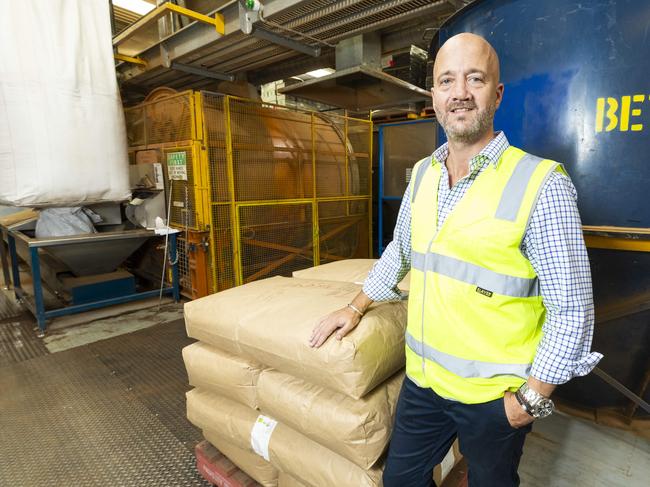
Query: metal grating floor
x: 8, y: 307
x: 149, y: 363
x: 18, y: 342
x: 109, y: 413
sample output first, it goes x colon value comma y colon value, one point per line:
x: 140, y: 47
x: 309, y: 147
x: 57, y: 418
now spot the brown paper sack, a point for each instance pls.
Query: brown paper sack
x: 356, y: 429
x: 286, y: 480
x: 288, y: 451
x: 453, y: 456
x: 271, y: 322
x: 221, y: 372
x: 253, y: 465
x: 349, y: 270
x: 440, y: 472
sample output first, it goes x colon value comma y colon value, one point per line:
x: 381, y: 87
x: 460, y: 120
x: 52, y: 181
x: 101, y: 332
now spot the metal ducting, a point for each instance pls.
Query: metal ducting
x: 235, y: 53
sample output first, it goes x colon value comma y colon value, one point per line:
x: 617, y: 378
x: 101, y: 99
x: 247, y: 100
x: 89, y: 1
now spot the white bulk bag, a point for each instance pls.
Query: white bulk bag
x: 62, y: 131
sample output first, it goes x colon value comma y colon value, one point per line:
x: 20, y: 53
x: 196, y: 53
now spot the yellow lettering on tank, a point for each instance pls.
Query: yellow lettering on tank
x: 637, y: 127
x: 612, y: 114
x: 612, y: 107
x: 625, y: 113
x: 600, y: 114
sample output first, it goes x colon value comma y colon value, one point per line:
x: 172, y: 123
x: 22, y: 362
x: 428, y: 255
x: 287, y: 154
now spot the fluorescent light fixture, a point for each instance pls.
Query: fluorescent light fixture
x: 138, y: 6
x: 319, y: 73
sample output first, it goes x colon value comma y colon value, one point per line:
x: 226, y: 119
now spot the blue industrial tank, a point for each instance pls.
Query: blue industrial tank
x: 577, y: 90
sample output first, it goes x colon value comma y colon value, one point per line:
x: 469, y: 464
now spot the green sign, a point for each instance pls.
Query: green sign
x: 177, y: 165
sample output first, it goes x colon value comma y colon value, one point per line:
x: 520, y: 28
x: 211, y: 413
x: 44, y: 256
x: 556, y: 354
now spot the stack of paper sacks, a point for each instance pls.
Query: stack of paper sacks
x: 314, y: 417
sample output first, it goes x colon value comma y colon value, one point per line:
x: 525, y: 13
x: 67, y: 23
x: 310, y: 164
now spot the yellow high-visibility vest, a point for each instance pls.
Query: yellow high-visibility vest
x: 475, y: 311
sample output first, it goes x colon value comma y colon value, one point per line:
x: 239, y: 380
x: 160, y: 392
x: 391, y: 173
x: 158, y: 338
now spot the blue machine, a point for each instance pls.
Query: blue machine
x: 401, y: 145
x: 576, y: 90
x: 95, y: 258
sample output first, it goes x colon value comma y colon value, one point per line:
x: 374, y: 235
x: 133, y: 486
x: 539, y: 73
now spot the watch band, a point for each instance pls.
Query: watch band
x: 522, y: 402
x: 533, y: 402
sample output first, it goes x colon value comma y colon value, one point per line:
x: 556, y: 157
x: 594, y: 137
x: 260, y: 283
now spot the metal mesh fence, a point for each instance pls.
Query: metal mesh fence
x: 272, y: 152
x: 275, y: 239
x: 168, y: 120
x: 222, y: 248
x: 183, y: 263
x: 358, y: 147
x: 135, y: 126
x: 404, y: 144
x: 215, y: 143
x: 344, y: 230
x: 256, y: 175
x: 331, y: 159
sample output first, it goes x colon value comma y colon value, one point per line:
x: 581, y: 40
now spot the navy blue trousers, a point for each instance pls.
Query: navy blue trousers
x: 426, y: 426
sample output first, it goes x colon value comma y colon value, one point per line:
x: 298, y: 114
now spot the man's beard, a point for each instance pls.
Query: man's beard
x: 471, y: 133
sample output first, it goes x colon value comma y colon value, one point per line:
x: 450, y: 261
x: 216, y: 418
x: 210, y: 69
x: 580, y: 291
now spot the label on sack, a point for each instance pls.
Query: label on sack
x: 261, y: 435
x: 447, y: 463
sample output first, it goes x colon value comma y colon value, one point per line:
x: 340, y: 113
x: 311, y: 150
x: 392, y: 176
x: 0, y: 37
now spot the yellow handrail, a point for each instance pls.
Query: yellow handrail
x: 129, y: 59
x: 218, y: 20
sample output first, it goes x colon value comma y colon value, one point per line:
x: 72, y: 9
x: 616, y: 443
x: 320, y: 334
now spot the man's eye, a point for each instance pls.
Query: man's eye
x: 445, y: 81
x: 475, y: 79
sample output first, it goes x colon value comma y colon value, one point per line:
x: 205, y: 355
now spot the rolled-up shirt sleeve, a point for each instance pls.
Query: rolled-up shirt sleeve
x: 395, y: 262
x: 555, y: 246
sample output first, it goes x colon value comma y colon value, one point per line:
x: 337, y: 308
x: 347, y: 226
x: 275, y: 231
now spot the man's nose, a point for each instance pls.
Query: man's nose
x: 460, y: 91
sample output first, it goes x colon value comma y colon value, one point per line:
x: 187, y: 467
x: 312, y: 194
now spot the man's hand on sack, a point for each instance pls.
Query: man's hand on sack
x: 344, y: 319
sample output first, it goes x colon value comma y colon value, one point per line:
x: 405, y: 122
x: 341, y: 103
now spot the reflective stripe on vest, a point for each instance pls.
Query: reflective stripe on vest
x: 467, y: 369
x: 518, y: 287
x: 419, y: 176
x: 513, y: 193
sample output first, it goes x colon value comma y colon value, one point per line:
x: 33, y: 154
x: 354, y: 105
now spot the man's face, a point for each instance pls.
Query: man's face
x: 466, y: 90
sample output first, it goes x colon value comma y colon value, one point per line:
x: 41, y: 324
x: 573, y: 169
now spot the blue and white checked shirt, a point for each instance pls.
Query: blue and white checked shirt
x: 554, y: 245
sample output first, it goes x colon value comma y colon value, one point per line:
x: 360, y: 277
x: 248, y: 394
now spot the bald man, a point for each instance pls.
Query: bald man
x: 500, y: 304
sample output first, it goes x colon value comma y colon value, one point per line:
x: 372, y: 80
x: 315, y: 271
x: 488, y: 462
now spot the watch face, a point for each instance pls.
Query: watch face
x: 544, y: 408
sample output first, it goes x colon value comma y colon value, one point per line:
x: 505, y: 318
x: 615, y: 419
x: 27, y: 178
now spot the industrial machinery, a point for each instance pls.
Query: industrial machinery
x: 83, y: 271
x: 401, y: 145
x: 257, y: 190
x: 580, y: 96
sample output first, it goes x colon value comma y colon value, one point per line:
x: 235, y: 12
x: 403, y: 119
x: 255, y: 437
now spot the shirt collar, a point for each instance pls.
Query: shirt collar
x: 491, y: 152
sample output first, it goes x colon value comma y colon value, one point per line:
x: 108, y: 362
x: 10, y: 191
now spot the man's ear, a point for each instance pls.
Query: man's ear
x: 499, y: 99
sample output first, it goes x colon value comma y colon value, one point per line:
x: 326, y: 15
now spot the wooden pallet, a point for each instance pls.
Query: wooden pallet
x: 215, y: 468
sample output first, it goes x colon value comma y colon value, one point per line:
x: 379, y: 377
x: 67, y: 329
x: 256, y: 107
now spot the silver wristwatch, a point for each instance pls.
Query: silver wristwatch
x: 533, y: 402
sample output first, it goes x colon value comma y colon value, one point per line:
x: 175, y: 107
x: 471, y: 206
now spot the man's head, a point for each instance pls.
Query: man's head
x: 466, y: 90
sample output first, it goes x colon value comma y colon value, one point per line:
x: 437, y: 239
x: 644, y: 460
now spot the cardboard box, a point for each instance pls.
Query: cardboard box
x: 150, y: 156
